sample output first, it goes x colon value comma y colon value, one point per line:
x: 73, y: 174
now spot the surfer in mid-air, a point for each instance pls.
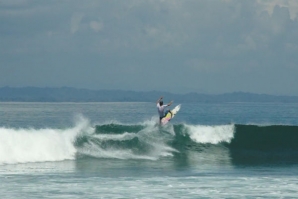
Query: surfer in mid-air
x: 161, y: 107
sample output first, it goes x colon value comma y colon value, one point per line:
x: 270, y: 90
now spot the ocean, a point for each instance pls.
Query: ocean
x: 116, y: 150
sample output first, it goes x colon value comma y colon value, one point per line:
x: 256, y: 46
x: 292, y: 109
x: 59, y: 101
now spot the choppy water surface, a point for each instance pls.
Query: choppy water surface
x: 116, y: 150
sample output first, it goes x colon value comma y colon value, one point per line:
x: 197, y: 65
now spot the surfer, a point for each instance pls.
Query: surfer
x: 161, y: 107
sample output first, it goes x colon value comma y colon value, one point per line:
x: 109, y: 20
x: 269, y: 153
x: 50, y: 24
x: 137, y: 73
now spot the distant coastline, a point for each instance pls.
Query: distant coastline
x: 68, y: 94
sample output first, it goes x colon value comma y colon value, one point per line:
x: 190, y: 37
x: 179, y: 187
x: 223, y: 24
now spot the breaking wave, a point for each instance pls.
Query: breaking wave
x: 148, y: 141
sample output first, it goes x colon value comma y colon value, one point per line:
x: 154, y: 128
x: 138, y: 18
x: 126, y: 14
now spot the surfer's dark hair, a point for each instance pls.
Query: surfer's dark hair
x: 161, y: 103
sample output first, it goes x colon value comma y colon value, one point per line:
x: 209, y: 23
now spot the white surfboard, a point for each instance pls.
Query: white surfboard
x: 170, y: 115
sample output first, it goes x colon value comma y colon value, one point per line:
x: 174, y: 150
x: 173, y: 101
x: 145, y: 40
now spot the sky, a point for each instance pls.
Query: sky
x: 179, y: 46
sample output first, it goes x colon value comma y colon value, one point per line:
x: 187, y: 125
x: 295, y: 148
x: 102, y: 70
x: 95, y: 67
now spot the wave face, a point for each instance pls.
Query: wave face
x: 239, y: 144
x: 22, y: 145
x: 265, y: 138
x: 264, y: 144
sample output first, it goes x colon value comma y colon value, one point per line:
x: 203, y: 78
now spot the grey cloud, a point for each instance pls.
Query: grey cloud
x: 204, y: 46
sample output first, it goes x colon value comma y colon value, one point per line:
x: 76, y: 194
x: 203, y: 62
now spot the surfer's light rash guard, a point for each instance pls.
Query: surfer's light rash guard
x: 161, y: 109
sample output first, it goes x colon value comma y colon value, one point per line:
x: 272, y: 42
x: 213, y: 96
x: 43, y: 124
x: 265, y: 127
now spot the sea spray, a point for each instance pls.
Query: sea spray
x: 210, y: 134
x: 120, y: 141
x: 21, y: 145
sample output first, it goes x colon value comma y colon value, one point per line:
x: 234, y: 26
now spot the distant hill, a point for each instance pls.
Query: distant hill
x: 66, y: 94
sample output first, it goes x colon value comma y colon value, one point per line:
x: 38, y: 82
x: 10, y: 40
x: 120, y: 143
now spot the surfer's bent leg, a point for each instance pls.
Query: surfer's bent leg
x: 168, y: 111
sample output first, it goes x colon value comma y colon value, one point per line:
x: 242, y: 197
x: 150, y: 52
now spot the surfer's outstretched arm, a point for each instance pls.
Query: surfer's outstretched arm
x: 169, y: 104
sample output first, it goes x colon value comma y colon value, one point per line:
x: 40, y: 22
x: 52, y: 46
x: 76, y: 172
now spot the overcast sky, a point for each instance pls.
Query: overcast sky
x: 204, y: 46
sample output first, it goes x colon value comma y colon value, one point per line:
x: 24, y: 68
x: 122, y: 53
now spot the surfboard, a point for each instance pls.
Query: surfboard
x: 170, y: 115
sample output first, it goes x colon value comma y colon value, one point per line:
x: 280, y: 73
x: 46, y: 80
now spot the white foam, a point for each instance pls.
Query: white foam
x: 38, y: 145
x: 121, y: 137
x: 94, y: 150
x: 210, y: 134
x: 149, y: 136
